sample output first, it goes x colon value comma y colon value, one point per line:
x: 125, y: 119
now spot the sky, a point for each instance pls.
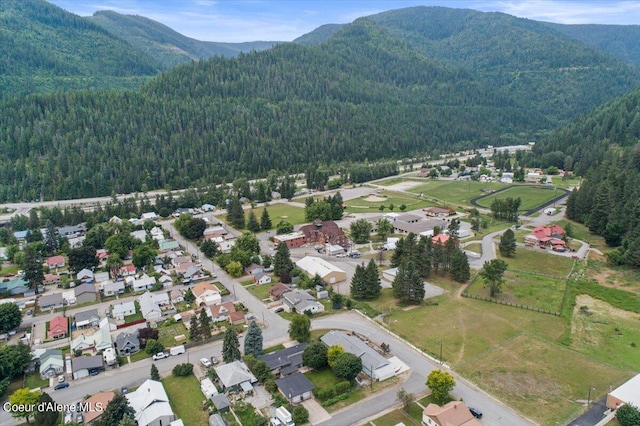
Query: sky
x: 285, y: 20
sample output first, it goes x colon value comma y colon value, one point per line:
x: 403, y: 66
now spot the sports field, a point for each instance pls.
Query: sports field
x: 531, y: 196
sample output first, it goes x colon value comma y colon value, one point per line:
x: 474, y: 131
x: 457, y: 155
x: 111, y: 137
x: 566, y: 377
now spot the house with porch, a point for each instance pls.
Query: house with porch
x: 58, y: 327
x: 51, y: 363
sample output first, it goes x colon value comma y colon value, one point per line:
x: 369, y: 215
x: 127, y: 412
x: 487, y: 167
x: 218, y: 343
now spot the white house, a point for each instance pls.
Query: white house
x: 151, y: 404
x: 261, y: 278
x: 123, y: 309
x: 151, y: 304
x: 111, y: 288
x: 206, y: 294
x: 85, y: 275
x: 143, y: 283
x: 149, y: 216
x: 301, y: 301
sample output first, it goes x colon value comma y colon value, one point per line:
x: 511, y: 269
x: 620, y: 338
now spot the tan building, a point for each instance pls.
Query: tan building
x: 454, y: 413
x: 329, y: 273
x: 292, y: 240
x: 98, y: 403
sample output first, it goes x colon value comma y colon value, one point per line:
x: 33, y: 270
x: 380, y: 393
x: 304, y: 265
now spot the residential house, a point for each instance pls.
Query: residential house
x: 140, y: 234
x: 123, y: 309
x: 100, y: 399
x: 327, y: 232
x: 157, y: 234
x: 627, y: 393
x: 285, y: 361
x: 301, y: 301
x: 292, y: 240
x: 145, y: 282
x: 440, y: 239
x: 149, y: 216
x: 127, y: 344
x: 296, y: 387
x: 50, y: 301
x: 547, y: 235
x: 72, y: 231
x: 86, y: 275
x: 329, y: 273
x: 373, y: 364
x: 207, y: 207
x: 176, y: 295
x: 58, y: 327
x: 83, y: 365
x: 233, y: 374
x: 151, y: 404
x: 153, y: 305
x: 50, y: 279
x: 127, y: 270
x: 276, y: 292
x: 54, y: 262
x: 206, y: 294
x: 179, y: 260
x: 192, y: 273
x: 226, y: 246
x: 220, y: 312
x: 85, y: 293
x: 454, y: 413
x: 111, y: 288
x: 89, y: 318
x: 236, y: 318
x: 21, y: 236
x: 51, y: 363
x: 166, y: 281
x: 101, y: 277
x: 168, y: 245
x: 82, y: 343
x: 14, y: 286
x: 98, y: 340
x: 261, y: 278
x: 254, y: 269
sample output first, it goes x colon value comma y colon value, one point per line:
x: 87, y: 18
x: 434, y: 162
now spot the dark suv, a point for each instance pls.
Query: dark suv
x: 61, y: 386
x: 475, y: 412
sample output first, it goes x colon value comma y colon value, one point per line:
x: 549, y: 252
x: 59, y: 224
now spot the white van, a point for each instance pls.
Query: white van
x: 177, y: 350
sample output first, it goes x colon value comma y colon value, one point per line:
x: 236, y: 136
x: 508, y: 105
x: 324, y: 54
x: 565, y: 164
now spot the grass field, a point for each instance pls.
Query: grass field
x: 281, y: 211
x: 525, y: 373
x: 531, y: 196
x: 324, y: 378
x: 475, y: 247
x: 582, y: 233
x: 360, y: 205
x: 454, y: 192
x: 539, y: 261
x: 618, y: 277
x: 260, y: 291
x: 33, y: 381
x: 522, y: 288
x: 186, y: 399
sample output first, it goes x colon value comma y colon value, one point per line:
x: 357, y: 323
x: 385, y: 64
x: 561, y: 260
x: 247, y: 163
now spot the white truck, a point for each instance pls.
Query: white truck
x: 177, y: 350
x: 284, y: 416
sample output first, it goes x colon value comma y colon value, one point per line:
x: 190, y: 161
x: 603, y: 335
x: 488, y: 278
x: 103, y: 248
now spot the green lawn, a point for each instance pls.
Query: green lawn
x: 33, y: 381
x: 475, y: 247
x: 360, y: 205
x: 531, y: 196
x: 582, y: 233
x: 281, y: 211
x: 455, y: 192
x: 260, y: 291
x: 395, y: 417
x: 140, y: 355
x: 9, y: 270
x: 272, y: 349
x: 539, y: 261
x: 246, y: 413
x: 186, y: 399
x: 323, y: 378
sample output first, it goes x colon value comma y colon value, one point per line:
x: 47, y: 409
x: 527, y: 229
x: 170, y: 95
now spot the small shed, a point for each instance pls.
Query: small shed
x: 221, y: 402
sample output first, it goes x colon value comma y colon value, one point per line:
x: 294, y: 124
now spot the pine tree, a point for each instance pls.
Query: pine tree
x: 359, y: 283
x: 204, y: 321
x: 460, y: 270
x: 408, y: 286
x: 230, y: 346
x: 265, y: 220
x: 507, y: 245
x: 282, y: 263
x: 235, y: 213
x: 155, y: 375
x: 253, y: 340
x: 373, y: 285
x: 252, y: 223
x: 32, y: 265
x: 194, y: 328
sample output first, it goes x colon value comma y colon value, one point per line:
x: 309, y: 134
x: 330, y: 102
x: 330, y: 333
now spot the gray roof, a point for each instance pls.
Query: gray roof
x: 216, y: 420
x: 50, y: 299
x: 123, y: 338
x: 84, y: 288
x: 294, y: 385
x: 50, y: 352
x: 87, y: 315
x: 87, y: 362
x: 220, y: 401
x: 234, y: 373
x: 284, y: 357
x: 370, y: 358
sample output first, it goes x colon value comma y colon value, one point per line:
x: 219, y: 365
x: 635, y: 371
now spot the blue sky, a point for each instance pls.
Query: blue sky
x: 280, y: 20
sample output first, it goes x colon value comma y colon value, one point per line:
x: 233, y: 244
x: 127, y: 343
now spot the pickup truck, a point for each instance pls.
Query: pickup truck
x: 160, y: 355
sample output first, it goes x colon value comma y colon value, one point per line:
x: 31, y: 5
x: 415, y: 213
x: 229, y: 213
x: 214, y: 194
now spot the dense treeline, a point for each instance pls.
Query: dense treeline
x: 585, y: 142
x: 363, y: 95
x: 44, y: 48
x: 609, y: 203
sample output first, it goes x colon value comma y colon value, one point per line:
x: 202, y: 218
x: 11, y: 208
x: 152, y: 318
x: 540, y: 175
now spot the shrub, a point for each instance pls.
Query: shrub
x: 300, y: 415
x: 182, y: 370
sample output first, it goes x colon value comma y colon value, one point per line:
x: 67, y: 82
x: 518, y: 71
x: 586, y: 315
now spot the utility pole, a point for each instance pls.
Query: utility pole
x: 440, y: 351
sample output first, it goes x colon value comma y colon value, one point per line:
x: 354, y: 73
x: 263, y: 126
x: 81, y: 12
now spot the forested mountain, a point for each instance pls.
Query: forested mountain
x: 622, y: 41
x: 362, y: 95
x: 166, y: 45
x: 44, y: 48
x: 319, y: 35
x: 527, y: 60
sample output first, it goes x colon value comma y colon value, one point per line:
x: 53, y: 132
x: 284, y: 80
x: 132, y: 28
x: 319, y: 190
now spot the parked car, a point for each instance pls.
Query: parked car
x: 214, y: 360
x: 60, y: 378
x: 205, y: 362
x: 68, y: 417
x: 124, y: 391
x: 61, y: 386
x: 278, y: 310
x: 161, y: 355
x: 341, y: 255
x: 80, y: 419
x: 94, y: 372
x: 354, y: 254
x: 475, y: 412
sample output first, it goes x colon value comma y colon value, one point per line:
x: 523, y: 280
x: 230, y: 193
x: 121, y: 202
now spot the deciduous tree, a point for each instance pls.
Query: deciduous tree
x: 315, y: 355
x: 441, y: 383
x: 24, y: 397
x: 299, y: 328
x: 347, y: 366
x: 10, y: 317
x: 492, y: 274
x: 360, y: 231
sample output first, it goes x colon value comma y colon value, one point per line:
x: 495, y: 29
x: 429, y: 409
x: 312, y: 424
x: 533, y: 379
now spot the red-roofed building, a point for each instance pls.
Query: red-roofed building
x: 544, y: 236
x: 221, y: 311
x: 55, y: 262
x: 127, y: 270
x: 327, y: 232
x: 440, y: 239
x: 51, y: 279
x: 455, y: 413
x: 58, y: 327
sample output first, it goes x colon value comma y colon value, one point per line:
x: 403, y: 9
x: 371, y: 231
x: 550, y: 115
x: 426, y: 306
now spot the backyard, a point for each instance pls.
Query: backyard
x: 167, y: 334
x: 186, y: 399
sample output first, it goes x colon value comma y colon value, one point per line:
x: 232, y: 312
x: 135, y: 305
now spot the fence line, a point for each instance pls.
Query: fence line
x: 515, y: 305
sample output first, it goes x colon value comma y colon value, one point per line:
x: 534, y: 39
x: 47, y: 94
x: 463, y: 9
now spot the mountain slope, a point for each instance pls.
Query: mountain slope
x: 319, y: 35
x: 365, y: 95
x: 164, y: 44
x: 622, y: 41
x: 43, y: 48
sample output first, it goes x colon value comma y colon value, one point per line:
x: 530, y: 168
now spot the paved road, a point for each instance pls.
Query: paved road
x: 495, y: 413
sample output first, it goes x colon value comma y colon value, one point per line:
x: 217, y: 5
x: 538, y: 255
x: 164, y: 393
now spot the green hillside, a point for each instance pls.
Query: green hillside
x: 165, y: 45
x: 363, y: 95
x: 44, y: 48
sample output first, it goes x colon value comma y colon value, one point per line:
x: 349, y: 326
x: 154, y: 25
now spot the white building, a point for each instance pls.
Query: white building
x: 151, y: 404
x: 329, y: 273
